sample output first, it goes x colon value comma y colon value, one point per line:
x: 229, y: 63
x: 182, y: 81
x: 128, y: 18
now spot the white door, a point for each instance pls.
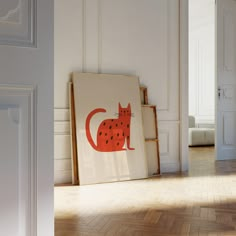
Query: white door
x: 226, y: 80
x: 26, y: 117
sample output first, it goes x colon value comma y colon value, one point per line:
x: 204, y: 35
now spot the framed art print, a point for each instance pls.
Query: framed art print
x: 109, y: 128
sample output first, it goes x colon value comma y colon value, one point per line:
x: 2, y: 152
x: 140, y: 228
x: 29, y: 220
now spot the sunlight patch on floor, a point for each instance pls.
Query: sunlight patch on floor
x: 157, y: 193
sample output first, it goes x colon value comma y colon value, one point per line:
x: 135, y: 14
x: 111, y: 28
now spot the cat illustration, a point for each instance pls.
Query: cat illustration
x: 111, y: 133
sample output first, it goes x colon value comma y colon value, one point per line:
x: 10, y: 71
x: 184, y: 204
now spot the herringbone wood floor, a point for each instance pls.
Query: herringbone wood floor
x: 200, y: 203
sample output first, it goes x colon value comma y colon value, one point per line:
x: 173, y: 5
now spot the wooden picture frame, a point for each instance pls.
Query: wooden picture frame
x: 151, y: 138
x: 144, y: 95
x: 74, y: 158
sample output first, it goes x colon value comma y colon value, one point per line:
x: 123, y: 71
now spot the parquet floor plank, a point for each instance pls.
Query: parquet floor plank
x: 200, y: 203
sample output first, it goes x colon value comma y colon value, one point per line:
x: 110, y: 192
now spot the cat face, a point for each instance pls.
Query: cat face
x: 125, y: 112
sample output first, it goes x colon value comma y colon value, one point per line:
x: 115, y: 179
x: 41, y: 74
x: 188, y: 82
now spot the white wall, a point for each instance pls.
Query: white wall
x: 135, y: 37
x: 202, y: 60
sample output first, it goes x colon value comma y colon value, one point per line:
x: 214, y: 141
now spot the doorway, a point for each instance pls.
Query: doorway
x: 201, y: 97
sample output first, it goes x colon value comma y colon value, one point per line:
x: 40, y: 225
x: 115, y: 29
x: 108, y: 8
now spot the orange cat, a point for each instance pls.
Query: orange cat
x: 112, y: 133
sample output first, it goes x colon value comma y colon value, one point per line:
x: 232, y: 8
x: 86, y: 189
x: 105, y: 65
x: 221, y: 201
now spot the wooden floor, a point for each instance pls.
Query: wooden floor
x: 200, y: 203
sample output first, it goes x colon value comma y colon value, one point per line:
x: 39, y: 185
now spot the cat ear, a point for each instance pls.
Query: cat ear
x: 129, y: 106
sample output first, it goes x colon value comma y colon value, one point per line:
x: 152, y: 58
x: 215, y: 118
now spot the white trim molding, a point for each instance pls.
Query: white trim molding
x: 20, y: 103
x: 184, y: 84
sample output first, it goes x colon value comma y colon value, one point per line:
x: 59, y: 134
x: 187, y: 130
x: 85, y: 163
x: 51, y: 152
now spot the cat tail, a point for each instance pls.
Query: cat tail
x: 87, y: 126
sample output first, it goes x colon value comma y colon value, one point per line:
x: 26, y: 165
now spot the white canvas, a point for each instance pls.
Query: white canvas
x: 109, y: 128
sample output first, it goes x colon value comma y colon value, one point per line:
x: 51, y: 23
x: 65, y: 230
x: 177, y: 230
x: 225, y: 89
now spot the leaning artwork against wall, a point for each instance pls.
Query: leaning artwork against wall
x: 109, y: 128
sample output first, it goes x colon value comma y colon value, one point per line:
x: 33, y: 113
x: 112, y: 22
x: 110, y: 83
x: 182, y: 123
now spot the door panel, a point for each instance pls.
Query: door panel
x: 226, y: 80
x: 9, y: 162
x: 17, y: 22
x: 229, y: 127
x: 26, y: 117
x: 18, y: 165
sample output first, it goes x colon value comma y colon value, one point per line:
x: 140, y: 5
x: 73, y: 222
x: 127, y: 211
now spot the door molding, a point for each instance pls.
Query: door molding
x: 20, y: 103
x: 184, y: 61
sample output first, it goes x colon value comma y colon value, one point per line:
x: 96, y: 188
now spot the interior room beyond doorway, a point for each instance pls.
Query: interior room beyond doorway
x: 201, y: 84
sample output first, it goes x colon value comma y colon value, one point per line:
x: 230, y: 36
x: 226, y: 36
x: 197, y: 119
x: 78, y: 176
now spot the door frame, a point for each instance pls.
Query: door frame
x: 183, y: 74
